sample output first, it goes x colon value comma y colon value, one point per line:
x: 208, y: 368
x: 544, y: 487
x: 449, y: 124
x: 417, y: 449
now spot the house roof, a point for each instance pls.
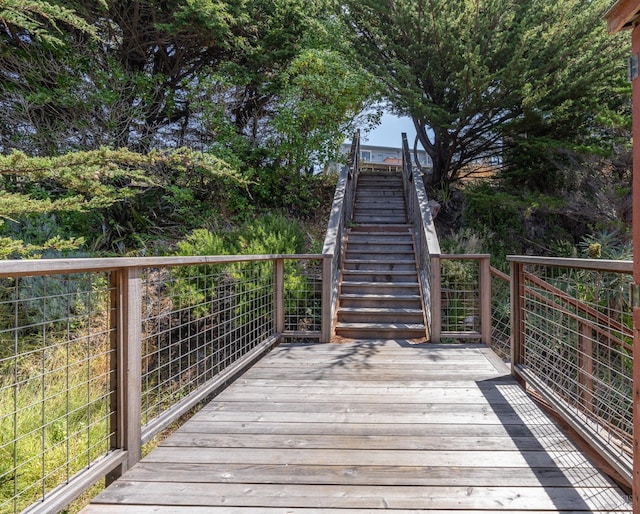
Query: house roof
x: 622, y: 15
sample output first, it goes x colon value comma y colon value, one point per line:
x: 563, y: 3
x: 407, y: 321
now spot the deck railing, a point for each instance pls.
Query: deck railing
x: 461, y: 297
x: 424, y: 234
x: 97, y: 356
x: 500, y: 313
x: 572, y: 341
x: 339, y: 219
x: 456, y: 289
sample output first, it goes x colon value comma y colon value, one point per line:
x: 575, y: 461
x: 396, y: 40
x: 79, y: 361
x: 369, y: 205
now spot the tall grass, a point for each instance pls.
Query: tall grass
x: 55, y: 418
x: 54, y: 382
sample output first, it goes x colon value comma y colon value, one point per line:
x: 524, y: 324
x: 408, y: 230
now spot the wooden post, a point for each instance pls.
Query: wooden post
x: 436, y: 300
x: 115, y: 303
x: 327, y: 288
x: 635, y: 50
x: 484, y: 279
x: 278, y: 292
x: 127, y: 307
x: 517, y: 316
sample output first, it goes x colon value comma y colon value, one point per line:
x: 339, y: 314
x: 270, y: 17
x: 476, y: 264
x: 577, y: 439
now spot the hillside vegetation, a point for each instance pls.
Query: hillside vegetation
x: 125, y: 126
x: 140, y: 127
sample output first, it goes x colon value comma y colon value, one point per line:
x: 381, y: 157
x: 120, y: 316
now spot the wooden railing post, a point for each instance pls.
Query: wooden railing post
x: 115, y: 322
x: 278, y: 292
x: 327, y: 288
x: 436, y: 300
x: 517, y: 315
x: 127, y: 311
x: 484, y: 279
x: 126, y: 367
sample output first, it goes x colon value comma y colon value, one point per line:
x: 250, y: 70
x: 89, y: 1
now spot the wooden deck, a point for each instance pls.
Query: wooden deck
x: 367, y: 426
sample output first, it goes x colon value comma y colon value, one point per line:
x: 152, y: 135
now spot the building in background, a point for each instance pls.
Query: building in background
x: 380, y: 158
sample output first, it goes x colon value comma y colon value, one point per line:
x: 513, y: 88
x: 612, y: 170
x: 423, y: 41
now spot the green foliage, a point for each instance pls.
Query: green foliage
x: 109, y: 197
x: 202, y: 242
x: 146, y: 74
x: 486, y: 209
x: 40, y: 20
x: 606, y: 244
x: 473, y: 75
x: 467, y: 241
x: 323, y: 93
x: 301, y: 195
x: 270, y: 235
x: 70, y: 408
x: 266, y: 235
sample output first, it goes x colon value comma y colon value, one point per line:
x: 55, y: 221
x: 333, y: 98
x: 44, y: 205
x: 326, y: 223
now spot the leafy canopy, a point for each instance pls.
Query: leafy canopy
x: 474, y: 74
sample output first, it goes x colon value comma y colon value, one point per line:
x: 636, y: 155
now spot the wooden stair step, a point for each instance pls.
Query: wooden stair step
x: 380, y: 314
x: 381, y: 330
x: 366, y: 300
x: 381, y: 297
x: 387, y: 228
x: 386, y: 237
x: 381, y: 253
x: 380, y: 288
x: 382, y: 191
x: 378, y: 219
x: 383, y: 275
x: 382, y: 326
x: 379, y: 247
x: 379, y: 266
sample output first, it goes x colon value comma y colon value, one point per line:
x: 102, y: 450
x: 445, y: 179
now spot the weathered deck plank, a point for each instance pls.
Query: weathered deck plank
x: 362, y: 427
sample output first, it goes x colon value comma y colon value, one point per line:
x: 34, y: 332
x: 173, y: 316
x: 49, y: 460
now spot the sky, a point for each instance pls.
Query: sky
x: 389, y: 132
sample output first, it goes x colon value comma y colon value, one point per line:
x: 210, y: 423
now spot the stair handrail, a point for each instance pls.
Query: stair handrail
x: 424, y: 231
x: 341, y: 215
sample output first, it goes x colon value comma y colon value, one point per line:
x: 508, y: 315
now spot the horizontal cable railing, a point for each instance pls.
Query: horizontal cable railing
x: 99, y: 355
x: 500, y: 314
x: 573, y: 343
x: 339, y: 219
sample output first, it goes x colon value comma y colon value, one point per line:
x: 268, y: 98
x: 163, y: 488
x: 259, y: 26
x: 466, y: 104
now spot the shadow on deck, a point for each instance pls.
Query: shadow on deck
x: 366, y: 426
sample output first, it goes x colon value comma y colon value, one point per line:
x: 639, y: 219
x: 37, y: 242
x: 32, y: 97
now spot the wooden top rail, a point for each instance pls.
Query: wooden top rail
x: 590, y: 264
x: 414, y: 176
x: 338, y: 207
x: 500, y: 274
x: 465, y: 256
x: 16, y: 268
x: 335, y: 219
x: 433, y: 245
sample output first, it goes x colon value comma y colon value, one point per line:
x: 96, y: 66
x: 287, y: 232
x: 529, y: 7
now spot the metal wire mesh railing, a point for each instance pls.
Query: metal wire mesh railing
x: 99, y: 355
x: 303, y: 298
x: 461, y: 290
x: 500, y: 314
x: 196, y: 322
x: 55, y: 382
x: 573, y: 341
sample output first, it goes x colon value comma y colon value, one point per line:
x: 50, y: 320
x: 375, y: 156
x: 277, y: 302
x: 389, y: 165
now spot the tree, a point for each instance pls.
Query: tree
x: 474, y: 74
x: 48, y: 201
x: 322, y: 97
x: 25, y: 21
x: 122, y: 73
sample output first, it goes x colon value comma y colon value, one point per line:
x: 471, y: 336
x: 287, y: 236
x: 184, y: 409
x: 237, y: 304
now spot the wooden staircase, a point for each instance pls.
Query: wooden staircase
x: 379, y: 295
